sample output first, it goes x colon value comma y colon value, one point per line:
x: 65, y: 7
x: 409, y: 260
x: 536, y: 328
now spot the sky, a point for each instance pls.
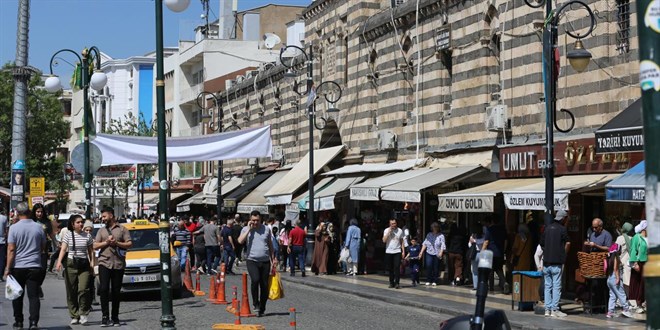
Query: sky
x: 119, y: 28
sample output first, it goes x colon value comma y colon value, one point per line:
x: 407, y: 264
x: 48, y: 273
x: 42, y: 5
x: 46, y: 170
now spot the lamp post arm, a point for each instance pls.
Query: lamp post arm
x: 96, y: 56
x: 52, y: 59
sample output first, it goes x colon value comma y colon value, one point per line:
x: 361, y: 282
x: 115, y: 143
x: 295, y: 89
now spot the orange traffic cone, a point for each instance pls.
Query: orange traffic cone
x: 245, y: 303
x: 211, y: 297
x: 187, y: 279
x: 220, y: 292
x: 198, y: 283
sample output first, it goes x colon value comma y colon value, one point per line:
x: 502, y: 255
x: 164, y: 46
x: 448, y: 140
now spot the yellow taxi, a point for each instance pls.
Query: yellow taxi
x: 142, y: 271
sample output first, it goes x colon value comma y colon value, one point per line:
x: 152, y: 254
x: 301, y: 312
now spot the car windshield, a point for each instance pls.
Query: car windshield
x: 144, y: 239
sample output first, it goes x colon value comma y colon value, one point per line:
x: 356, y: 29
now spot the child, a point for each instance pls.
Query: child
x: 614, y: 282
x: 413, y: 256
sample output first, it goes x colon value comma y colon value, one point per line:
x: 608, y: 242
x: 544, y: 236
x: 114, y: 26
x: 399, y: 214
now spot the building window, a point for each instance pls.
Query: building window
x: 198, y: 77
x: 623, y: 22
x: 190, y: 170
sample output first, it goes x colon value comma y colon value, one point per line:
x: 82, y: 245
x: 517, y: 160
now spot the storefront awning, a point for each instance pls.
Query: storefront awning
x: 302, y: 200
x: 256, y: 200
x: 232, y: 199
x: 532, y: 197
x: 480, y: 198
x: 411, y: 190
x: 623, y: 133
x: 282, y: 192
x: 152, y: 198
x: 482, y: 158
x: 629, y: 187
x: 403, y: 165
x: 227, y: 188
x: 325, y: 199
x: 5, y: 191
x: 370, y: 189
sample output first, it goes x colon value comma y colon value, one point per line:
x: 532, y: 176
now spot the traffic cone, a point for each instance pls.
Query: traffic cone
x: 220, y: 292
x: 198, y: 283
x: 237, y: 321
x: 211, y: 297
x: 245, y: 304
x: 187, y: 279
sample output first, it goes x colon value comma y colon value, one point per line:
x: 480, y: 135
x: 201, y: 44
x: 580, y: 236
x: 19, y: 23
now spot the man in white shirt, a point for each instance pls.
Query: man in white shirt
x: 393, y: 239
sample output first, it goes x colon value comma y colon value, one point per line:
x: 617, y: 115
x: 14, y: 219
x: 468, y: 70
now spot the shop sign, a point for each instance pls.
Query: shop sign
x: 229, y: 203
x: 465, y: 204
x: 620, y: 141
x: 365, y: 194
x: 279, y: 200
x: 401, y: 196
x: 326, y: 203
x: 572, y: 157
x: 533, y: 201
x: 247, y: 209
x: 626, y: 194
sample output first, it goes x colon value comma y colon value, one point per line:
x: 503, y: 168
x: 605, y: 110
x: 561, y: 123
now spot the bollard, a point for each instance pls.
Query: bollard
x: 292, y: 317
x: 245, y: 304
x: 187, y: 278
x: 198, y: 283
x: 220, y: 292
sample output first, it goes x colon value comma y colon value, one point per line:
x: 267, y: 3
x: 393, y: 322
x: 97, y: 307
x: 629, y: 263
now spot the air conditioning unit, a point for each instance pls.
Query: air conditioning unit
x: 229, y: 83
x: 278, y: 153
x: 253, y: 161
x: 496, y: 118
x: 386, y: 140
x: 239, y: 79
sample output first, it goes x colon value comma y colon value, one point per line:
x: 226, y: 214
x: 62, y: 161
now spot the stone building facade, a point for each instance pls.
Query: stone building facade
x: 418, y: 77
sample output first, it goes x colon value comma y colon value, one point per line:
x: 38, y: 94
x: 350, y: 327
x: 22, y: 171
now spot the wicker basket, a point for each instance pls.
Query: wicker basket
x: 592, y: 264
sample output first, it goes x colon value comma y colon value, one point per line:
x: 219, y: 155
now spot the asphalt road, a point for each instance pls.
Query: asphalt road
x: 316, y: 309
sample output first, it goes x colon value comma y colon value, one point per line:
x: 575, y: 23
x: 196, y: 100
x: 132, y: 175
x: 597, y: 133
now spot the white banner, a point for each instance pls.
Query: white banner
x: 247, y: 208
x: 326, y: 203
x: 466, y: 204
x: 534, y: 201
x: 246, y: 143
x: 364, y: 194
x: 401, y: 196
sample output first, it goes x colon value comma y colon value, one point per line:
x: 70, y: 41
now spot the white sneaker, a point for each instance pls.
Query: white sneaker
x: 627, y: 313
x: 558, y: 313
x: 427, y: 283
x: 83, y: 319
x: 547, y: 313
x: 434, y: 284
x: 74, y: 321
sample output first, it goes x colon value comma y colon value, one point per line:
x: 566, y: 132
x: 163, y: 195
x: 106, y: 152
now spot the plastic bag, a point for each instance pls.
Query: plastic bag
x: 275, y: 290
x: 345, y: 255
x: 13, y: 290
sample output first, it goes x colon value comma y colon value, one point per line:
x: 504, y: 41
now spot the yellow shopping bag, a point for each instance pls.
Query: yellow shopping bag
x: 275, y: 290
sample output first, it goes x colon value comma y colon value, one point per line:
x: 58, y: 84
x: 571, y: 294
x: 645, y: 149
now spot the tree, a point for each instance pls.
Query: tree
x: 46, y: 131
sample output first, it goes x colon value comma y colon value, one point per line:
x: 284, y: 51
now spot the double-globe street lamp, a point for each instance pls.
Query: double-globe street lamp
x: 579, y: 59
x: 97, y: 81
x: 167, y: 319
x: 331, y: 96
x: 206, y: 118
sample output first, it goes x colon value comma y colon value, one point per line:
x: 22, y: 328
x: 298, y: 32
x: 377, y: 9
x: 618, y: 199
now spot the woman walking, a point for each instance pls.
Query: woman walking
x: 434, y: 246
x: 476, y: 241
x: 352, y: 243
x: 638, y: 258
x: 320, y: 260
x: 333, y: 249
x: 623, y: 241
x: 79, y: 263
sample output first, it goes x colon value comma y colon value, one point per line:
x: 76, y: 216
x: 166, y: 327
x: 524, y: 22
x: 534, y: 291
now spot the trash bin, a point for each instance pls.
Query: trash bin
x: 525, y: 289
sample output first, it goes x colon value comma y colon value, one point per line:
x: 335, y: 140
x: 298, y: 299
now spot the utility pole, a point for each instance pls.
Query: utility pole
x: 22, y: 75
x: 648, y: 28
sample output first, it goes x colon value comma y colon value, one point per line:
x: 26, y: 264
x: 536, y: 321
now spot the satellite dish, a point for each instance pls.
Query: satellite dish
x: 271, y: 40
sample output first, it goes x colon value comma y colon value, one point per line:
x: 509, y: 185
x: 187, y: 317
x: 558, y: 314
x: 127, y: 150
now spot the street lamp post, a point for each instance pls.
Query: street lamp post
x: 97, y: 81
x: 311, y: 92
x: 579, y: 59
x: 167, y: 319
x: 201, y: 98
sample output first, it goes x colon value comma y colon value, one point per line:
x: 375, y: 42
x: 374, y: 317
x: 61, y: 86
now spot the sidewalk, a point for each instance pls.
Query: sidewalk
x: 459, y: 301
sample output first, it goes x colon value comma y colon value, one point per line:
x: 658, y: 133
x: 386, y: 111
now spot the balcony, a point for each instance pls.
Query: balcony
x: 189, y: 95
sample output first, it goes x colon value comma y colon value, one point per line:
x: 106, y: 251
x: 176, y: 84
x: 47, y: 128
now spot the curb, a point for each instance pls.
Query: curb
x: 404, y: 302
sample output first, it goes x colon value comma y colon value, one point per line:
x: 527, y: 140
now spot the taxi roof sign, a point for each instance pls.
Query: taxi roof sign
x: 140, y: 222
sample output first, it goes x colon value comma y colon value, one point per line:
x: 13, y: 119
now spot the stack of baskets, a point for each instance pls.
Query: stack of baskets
x: 592, y: 264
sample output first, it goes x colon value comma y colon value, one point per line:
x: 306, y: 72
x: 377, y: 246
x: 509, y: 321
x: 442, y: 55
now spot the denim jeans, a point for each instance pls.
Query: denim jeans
x: 182, y: 253
x: 228, y: 257
x: 297, y: 252
x: 432, y: 263
x: 552, y: 279
x: 616, y: 292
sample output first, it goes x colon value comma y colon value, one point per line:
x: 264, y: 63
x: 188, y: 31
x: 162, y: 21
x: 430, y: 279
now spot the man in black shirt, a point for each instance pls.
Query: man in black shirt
x: 555, y: 244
